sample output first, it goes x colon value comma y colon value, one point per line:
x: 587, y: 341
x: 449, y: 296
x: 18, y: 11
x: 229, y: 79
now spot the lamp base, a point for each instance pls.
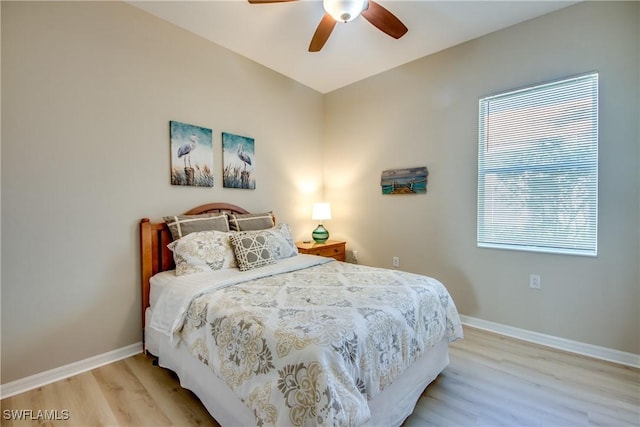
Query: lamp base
x: 320, y: 234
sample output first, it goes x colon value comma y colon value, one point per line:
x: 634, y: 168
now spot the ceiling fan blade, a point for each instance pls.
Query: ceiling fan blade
x: 320, y: 37
x: 268, y: 1
x: 384, y: 20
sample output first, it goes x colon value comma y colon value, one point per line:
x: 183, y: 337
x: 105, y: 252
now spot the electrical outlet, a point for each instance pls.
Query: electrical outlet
x: 396, y: 261
x: 535, y: 282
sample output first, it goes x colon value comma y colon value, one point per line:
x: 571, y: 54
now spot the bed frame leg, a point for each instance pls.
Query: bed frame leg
x: 154, y: 358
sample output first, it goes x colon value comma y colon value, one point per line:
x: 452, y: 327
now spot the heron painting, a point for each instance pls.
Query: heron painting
x: 191, y: 155
x: 238, y: 155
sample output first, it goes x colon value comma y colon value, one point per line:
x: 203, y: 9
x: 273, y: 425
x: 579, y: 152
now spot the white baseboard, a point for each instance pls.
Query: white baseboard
x: 38, y: 380
x: 603, y: 353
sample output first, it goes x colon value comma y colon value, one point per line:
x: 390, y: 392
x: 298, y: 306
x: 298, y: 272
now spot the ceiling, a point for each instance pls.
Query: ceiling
x: 278, y: 35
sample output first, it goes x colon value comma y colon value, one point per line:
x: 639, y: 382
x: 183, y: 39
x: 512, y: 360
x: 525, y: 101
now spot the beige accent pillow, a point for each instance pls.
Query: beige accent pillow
x: 246, y: 222
x: 252, y: 249
x: 181, y: 225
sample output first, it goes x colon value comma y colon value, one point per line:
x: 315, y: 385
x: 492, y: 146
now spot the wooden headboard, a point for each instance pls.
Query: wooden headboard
x: 154, y: 238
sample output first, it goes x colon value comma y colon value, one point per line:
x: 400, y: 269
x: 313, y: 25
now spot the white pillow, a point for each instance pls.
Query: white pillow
x: 281, y: 241
x: 202, y: 251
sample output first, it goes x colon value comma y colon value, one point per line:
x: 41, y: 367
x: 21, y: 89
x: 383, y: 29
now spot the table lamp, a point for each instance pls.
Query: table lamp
x: 321, y: 212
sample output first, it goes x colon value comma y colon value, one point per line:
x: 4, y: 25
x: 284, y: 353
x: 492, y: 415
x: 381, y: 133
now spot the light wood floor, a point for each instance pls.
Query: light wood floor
x: 491, y: 381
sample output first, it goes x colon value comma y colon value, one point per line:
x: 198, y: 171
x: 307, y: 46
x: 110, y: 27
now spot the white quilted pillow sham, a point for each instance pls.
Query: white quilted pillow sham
x: 202, y: 251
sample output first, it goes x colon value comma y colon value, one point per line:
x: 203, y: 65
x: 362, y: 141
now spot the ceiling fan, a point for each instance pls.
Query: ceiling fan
x: 348, y: 10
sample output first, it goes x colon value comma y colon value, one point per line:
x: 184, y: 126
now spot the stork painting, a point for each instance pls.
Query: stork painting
x: 191, y: 155
x: 238, y: 155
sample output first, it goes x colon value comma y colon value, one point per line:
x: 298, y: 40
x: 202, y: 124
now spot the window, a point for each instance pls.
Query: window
x: 538, y: 168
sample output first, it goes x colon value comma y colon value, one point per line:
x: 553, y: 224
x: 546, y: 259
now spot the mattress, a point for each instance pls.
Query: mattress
x: 159, y: 283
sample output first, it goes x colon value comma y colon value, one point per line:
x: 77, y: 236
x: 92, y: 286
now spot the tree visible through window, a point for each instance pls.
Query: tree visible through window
x: 538, y: 168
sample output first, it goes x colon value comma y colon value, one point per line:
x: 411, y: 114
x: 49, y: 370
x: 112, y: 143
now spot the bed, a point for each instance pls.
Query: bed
x: 296, y: 340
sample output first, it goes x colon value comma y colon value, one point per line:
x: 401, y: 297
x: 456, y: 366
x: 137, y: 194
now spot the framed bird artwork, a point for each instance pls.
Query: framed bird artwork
x: 191, y: 155
x: 238, y: 158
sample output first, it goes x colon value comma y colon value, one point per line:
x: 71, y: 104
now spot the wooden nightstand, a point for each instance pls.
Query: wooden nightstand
x: 331, y: 249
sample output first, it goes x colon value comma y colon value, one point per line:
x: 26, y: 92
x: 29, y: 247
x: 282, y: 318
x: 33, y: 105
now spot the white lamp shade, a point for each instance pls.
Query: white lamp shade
x: 344, y: 10
x: 321, y: 211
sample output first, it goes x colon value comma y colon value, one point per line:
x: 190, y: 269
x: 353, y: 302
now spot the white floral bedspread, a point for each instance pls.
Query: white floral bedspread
x: 310, y: 346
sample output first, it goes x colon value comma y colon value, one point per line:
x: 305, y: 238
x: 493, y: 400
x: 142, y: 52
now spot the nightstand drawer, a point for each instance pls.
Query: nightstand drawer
x: 328, y: 252
x: 330, y: 249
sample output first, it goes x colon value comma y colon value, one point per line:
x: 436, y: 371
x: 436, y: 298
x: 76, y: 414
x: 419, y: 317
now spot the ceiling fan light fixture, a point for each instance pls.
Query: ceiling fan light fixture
x: 344, y: 10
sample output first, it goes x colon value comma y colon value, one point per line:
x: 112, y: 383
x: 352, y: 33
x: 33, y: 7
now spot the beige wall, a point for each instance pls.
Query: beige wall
x: 88, y: 92
x: 425, y: 114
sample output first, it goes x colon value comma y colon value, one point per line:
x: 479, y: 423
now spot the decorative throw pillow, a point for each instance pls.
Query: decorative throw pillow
x: 252, y: 249
x: 246, y: 222
x: 181, y: 225
x: 202, y: 251
x: 281, y: 241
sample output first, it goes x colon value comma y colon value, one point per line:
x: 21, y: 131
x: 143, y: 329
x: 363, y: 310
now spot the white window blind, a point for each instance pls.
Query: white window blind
x: 538, y: 168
